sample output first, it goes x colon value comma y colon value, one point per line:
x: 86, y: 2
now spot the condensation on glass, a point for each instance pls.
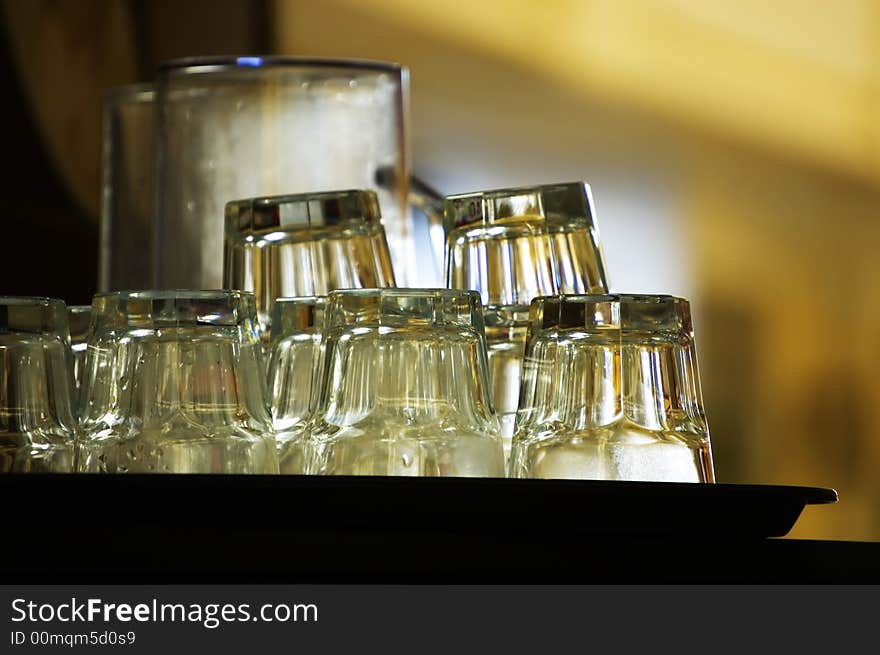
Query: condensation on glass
x: 79, y: 318
x: 36, y: 386
x: 294, y: 362
x: 129, y: 189
x: 404, y: 387
x: 513, y: 245
x: 251, y: 127
x: 611, y: 391
x: 174, y: 383
x: 305, y: 245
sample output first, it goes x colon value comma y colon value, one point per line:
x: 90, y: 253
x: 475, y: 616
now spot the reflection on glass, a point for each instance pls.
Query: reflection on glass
x: 293, y: 368
x: 36, y: 386
x: 173, y: 383
x: 404, y: 387
x: 513, y: 245
x: 78, y: 318
x: 304, y: 245
x: 611, y: 391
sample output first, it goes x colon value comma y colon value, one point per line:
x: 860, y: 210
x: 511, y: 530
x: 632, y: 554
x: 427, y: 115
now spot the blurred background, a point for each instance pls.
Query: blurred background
x: 733, y: 151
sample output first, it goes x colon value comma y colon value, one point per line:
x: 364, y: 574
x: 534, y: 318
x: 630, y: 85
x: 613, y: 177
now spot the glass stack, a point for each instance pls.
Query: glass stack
x: 247, y: 127
x: 266, y: 175
x: 305, y: 245
x: 174, y: 383
x: 611, y: 391
x: 512, y: 245
x: 36, y: 386
x: 294, y: 363
x: 404, y: 387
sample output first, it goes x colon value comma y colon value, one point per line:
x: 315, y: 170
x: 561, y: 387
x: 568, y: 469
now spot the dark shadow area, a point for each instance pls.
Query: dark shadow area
x: 49, y: 244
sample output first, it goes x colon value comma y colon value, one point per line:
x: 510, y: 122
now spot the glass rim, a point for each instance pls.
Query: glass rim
x: 628, y: 313
x: 173, y: 308
x: 504, y: 192
x: 30, y: 301
x: 468, y: 209
x: 172, y: 294
x: 627, y: 298
x: 299, y: 300
x: 219, y: 63
x: 406, y: 292
x: 34, y: 315
x: 289, y: 198
x: 313, y: 210
x: 296, y: 314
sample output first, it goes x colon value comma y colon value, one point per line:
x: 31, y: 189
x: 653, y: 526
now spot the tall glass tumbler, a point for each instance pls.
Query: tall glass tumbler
x: 174, y: 383
x: 249, y: 127
x: 305, y: 245
x: 611, y: 391
x: 512, y: 245
x: 78, y: 318
x: 404, y: 387
x: 129, y: 189
x: 294, y: 361
x: 36, y: 386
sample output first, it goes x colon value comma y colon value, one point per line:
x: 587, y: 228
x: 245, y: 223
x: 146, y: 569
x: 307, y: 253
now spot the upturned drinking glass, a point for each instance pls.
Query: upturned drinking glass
x: 513, y: 245
x: 78, y: 318
x: 293, y: 368
x: 129, y: 189
x: 36, y: 386
x: 404, y: 387
x: 247, y: 127
x: 173, y: 383
x: 611, y: 391
x: 305, y: 245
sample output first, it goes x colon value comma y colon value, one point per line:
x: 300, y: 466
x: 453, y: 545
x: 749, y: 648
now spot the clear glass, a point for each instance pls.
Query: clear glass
x: 611, y: 391
x: 78, y: 318
x: 250, y: 127
x: 129, y: 189
x: 305, y: 245
x: 174, y: 383
x: 36, y: 386
x: 513, y: 245
x: 293, y: 368
x: 404, y: 387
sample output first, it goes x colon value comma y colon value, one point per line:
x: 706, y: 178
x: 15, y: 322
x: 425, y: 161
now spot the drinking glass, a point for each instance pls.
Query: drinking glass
x: 247, y: 127
x: 78, y: 318
x: 513, y: 245
x: 173, y: 383
x: 305, y: 245
x: 404, y: 387
x: 293, y: 368
x: 129, y: 190
x: 611, y: 391
x: 36, y: 386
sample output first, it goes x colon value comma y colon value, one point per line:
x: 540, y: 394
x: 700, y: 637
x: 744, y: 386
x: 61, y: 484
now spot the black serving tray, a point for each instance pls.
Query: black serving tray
x: 452, y: 506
